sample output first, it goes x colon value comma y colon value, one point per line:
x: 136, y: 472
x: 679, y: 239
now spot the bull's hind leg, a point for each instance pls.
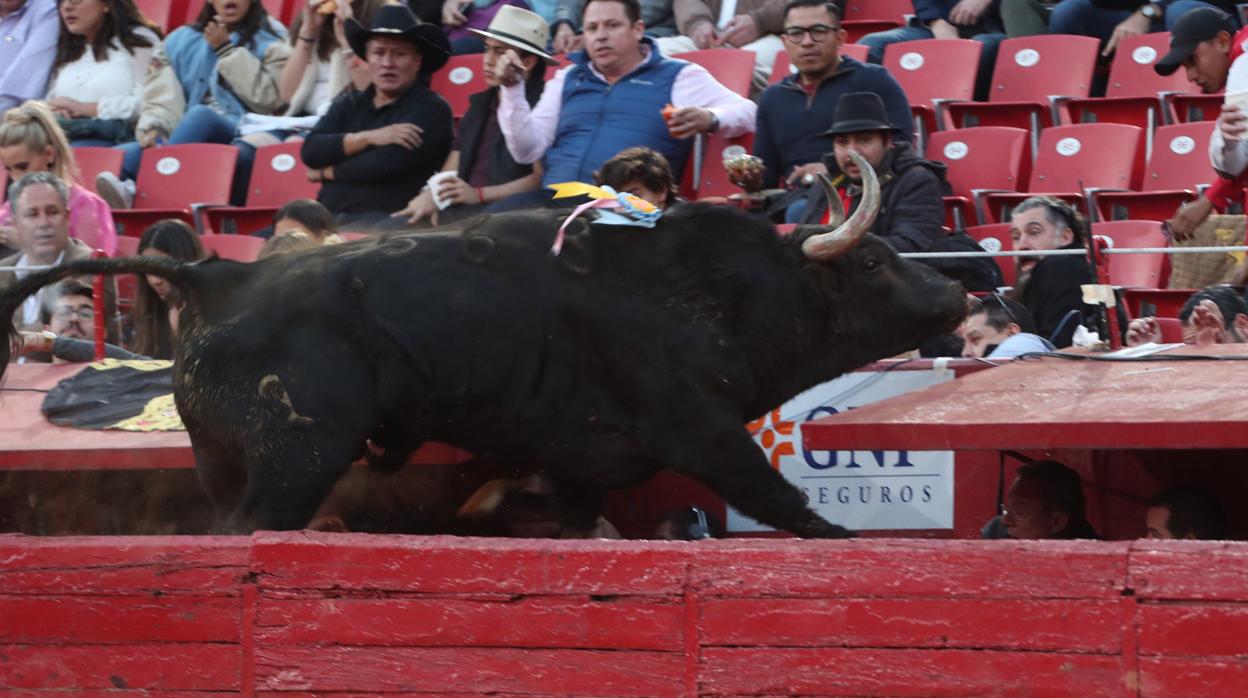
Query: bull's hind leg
x: 732, y: 465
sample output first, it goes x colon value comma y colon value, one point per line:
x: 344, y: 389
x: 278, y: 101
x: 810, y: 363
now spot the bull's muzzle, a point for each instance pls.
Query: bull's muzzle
x: 822, y: 247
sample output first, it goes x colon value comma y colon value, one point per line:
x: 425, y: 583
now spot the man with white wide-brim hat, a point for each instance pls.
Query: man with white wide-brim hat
x: 480, y: 169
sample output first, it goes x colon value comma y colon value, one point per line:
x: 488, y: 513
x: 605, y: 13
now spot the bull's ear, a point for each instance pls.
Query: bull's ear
x: 477, y: 248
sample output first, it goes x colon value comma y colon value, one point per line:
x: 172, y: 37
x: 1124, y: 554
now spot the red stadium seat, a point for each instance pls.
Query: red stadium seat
x: 1133, y: 93
x: 1157, y: 302
x: 1186, y: 108
x: 783, y: 68
x: 1178, y: 167
x: 931, y: 72
x: 167, y: 14
x: 1073, y: 160
x: 283, y: 10
x: 713, y: 180
x: 460, y: 78
x: 92, y: 161
x: 864, y: 17
x: 995, y: 237
x: 240, y: 248
x: 173, y: 179
x: 732, y: 67
x: 984, y: 158
x: 1171, y: 330
x: 1137, y: 270
x: 277, y: 178
x: 1030, y: 72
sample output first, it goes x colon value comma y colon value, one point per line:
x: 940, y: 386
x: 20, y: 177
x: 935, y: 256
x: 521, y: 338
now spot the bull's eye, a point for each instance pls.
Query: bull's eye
x: 871, y: 265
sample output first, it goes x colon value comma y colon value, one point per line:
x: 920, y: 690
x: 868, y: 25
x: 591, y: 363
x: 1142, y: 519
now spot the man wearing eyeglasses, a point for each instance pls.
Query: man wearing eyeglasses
x: 68, y: 321
x: 794, y: 114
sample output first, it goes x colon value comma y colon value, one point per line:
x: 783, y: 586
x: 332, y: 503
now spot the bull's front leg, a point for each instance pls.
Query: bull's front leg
x: 732, y: 465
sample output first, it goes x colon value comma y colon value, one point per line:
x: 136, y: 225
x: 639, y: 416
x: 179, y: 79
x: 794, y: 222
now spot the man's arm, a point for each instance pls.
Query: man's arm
x: 691, y: 13
x: 1228, y: 148
x: 919, y: 212
x: 384, y: 162
x: 325, y: 145
x: 695, y: 87
x: 27, y: 76
x: 765, y: 149
x: 529, y: 131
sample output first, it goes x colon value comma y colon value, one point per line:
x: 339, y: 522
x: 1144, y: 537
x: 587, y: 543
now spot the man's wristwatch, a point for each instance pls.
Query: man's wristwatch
x: 1152, y: 12
x: 714, y: 123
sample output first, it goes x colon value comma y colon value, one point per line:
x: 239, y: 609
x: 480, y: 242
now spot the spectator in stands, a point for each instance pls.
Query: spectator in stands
x: 31, y: 141
x: 202, y: 80
x: 102, y: 57
x: 642, y: 173
x: 375, y: 149
x: 27, y: 51
x: 753, y: 25
x: 1185, y: 512
x: 911, y: 210
x: 155, y: 300
x: 1046, y: 501
x: 287, y: 243
x: 68, y: 319
x: 307, y: 217
x: 1214, y: 315
x: 484, y: 169
x: 464, y: 20
x: 949, y: 19
x: 657, y: 15
x: 791, y: 136
x: 1026, y: 17
x: 1000, y: 328
x: 41, y: 216
x: 1050, y: 286
x: 1112, y: 21
x: 610, y: 98
x: 320, y: 67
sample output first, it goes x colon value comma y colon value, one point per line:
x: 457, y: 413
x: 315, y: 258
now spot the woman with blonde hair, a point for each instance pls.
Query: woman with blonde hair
x: 31, y: 141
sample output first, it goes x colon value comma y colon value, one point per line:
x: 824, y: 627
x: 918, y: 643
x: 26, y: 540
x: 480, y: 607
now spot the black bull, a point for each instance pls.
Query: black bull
x: 634, y: 350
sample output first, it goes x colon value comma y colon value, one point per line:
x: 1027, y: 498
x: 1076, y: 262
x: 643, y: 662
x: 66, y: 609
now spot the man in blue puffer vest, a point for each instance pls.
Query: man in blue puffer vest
x: 611, y: 98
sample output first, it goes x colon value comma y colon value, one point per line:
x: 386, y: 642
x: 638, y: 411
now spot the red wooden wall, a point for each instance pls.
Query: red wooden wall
x: 323, y: 614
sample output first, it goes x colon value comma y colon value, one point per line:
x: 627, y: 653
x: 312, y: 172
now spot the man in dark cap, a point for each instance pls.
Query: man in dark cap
x: 911, y: 211
x: 374, y: 150
x: 1207, y: 45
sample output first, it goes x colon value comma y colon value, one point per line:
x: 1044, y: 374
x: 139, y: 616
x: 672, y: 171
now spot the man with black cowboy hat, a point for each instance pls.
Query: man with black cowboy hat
x: 374, y: 150
x: 911, y: 210
x: 484, y: 169
x: 1207, y: 44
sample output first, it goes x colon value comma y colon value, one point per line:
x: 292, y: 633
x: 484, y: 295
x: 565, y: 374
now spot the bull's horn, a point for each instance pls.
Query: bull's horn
x: 825, y: 246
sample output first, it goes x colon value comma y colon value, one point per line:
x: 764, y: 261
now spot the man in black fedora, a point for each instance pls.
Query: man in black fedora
x: 912, y: 213
x: 374, y: 150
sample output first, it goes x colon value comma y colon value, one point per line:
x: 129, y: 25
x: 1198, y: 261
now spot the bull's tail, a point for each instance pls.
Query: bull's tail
x: 176, y: 271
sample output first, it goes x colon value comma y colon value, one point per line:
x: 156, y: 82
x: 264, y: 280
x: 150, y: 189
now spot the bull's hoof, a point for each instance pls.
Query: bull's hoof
x: 829, y: 530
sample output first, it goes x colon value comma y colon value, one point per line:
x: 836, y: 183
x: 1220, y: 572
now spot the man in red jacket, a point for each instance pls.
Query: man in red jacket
x: 1206, y: 43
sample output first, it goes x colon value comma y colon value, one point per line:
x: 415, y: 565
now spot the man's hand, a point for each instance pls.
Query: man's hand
x: 798, y: 176
x: 1142, y: 331
x: 36, y: 342
x: 325, y: 174
x: 1206, y: 323
x: 8, y: 237
x: 704, y: 35
x: 968, y: 12
x: 148, y: 138
x: 1233, y: 123
x: 216, y: 33
x: 451, y: 16
x: 457, y: 191
x: 419, y: 208
x: 566, y: 39
x: 404, y: 135
x: 1188, y: 217
x: 72, y: 107
x: 1134, y: 25
x: 687, y: 121
x: 509, y: 70
x: 740, y: 30
x: 943, y: 30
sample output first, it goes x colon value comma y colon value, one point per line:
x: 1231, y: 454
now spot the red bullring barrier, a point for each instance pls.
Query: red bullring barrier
x: 316, y: 614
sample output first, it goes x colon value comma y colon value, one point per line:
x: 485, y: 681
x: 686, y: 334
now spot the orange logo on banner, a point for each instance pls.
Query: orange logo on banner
x: 776, y: 438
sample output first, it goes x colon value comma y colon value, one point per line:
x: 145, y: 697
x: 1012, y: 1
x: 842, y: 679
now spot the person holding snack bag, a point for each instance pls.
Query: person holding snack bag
x: 1207, y: 44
